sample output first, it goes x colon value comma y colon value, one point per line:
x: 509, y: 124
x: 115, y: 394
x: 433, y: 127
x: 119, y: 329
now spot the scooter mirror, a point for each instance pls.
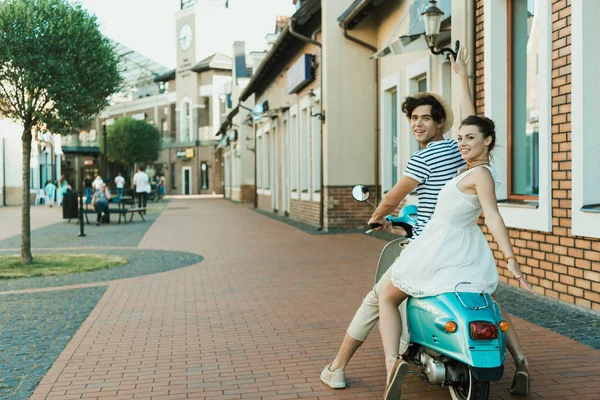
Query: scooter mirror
x: 360, y: 193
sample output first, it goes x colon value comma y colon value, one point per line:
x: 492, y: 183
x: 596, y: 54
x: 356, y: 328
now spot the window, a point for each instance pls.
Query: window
x: 523, y: 138
x: 394, y: 136
x: 419, y: 84
x: 316, y: 149
x: 294, y: 154
x: 265, y: 160
x: 259, y: 163
x: 184, y: 122
x: 304, y: 137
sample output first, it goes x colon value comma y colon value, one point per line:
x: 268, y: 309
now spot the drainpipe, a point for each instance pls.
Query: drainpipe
x: 473, y: 54
x: 373, y: 49
x: 321, y: 116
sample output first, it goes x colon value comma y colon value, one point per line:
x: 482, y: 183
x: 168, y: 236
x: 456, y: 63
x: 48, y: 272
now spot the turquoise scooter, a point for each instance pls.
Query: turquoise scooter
x: 455, y: 339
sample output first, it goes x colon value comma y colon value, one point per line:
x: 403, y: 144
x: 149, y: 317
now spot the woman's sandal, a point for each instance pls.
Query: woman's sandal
x: 520, y: 383
x: 393, y: 390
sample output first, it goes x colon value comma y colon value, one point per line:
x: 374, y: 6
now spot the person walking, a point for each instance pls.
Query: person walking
x: 120, y: 183
x: 63, y: 185
x: 50, y: 190
x: 141, y: 182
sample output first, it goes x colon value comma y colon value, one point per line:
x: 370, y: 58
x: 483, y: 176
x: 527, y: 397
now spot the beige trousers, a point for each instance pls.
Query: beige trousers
x: 367, y: 314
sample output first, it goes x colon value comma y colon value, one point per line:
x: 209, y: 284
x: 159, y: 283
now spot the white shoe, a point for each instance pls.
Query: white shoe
x: 334, y: 379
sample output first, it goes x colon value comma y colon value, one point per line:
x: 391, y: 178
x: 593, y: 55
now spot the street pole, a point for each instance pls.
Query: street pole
x: 105, y: 153
x: 81, y: 232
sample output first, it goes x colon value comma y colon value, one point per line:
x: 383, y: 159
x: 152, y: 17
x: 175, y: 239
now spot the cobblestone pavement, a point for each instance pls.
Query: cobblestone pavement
x: 63, y: 234
x: 259, y: 318
x: 40, y: 216
x: 139, y: 262
x: 36, y: 326
x: 34, y: 329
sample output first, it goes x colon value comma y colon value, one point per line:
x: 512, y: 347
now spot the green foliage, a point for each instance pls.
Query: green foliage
x: 56, y: 68
x: 132, y: 141
x: 56, y: 264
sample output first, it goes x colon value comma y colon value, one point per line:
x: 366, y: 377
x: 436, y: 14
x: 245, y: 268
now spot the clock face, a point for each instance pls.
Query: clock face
x: 185, y: 37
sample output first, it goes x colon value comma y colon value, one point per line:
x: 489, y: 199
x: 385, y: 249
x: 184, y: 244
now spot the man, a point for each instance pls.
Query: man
x: 428, y: 170
x: 120, y: 182
x: 100, y: 203
x: 141, y: 182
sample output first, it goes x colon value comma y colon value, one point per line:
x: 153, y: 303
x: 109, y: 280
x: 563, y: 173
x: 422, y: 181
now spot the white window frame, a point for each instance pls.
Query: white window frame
x: 274, y: 167
x: 388, y: 84
x: 315, y: 156
x: 414, y: 73
x: 496, y: 100
x: 262, y: 157
x: 285, y: 163
x: 584, y: 137
x: 304, y: 140
x: 184, y: 101
x: 293, y: 133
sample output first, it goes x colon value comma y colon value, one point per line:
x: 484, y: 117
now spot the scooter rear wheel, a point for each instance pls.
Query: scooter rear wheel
x: 470, y: 389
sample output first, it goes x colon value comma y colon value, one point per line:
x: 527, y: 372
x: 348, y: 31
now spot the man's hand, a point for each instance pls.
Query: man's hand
x: 385, y: 224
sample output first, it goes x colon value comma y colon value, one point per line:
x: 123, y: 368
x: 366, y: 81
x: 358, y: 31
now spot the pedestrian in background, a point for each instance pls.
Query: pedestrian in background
x: 100, y: 203
x: 87, y: 187
x: 120, y: 182
x: 97, y: 184
x: 141, y: 181
x: 50, y: 190
x: 63, y: 185
x: 161, y: 188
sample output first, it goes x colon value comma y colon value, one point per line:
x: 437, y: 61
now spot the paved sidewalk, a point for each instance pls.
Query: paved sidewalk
x: 259, y: 318
x: 40, y: 216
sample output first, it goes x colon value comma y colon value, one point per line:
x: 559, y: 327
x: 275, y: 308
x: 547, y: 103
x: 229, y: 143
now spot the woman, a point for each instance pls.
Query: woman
x: 100, y: 202
x: 63, y: 186
x: 451, y: 249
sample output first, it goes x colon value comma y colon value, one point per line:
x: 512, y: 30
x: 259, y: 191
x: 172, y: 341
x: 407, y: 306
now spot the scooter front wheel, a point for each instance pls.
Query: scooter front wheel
x: 470, y: 389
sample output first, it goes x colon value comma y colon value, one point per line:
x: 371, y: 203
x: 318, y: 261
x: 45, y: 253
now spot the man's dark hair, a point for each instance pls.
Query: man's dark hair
x: 485, y: 125
x: 437, y: 111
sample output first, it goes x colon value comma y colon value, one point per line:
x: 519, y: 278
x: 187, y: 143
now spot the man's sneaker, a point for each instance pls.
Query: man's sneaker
x: 334, y: 379
x: 520, y: 383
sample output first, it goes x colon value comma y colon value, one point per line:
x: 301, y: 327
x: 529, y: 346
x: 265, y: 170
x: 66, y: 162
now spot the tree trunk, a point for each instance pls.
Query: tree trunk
x: 26, y: 257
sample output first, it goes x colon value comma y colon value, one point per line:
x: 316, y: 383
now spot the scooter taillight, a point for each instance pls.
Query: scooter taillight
x: 483, y: 330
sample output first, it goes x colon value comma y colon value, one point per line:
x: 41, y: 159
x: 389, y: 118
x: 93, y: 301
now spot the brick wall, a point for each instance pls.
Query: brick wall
x: 247, y: 193
x: 305, y: 211
x: 342, y: 211
x: 558, y: 264
x: 264, y: 202
x: 14, y: 196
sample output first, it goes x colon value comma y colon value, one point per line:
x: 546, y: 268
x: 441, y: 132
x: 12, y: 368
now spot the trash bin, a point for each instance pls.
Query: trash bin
x: 70, y: 205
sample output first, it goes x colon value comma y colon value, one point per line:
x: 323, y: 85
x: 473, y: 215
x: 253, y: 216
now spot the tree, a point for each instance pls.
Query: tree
x: 132, y: 141
x: 56, y: 70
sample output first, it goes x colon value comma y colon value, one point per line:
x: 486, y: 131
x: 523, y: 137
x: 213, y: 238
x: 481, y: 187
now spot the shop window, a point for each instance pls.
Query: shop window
x: 294, y: 154
x: 523, y: 135
x: 173, y: 177
x: 304, y: 161
x: 316, y: 150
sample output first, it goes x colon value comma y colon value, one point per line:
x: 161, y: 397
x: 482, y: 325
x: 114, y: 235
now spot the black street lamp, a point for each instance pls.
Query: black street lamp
x: 433, y: 21
x: 105, y: 152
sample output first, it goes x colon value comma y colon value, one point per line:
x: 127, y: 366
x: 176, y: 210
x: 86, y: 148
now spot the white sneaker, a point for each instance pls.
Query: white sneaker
x: 334, y: 379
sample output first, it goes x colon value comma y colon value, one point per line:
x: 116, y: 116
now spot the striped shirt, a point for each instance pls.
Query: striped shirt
x: 432, y: 167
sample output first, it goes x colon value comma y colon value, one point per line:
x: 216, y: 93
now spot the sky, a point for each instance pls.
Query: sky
x: 148, y: 26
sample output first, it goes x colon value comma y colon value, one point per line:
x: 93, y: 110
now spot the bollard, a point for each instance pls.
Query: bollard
x: 81, y: 232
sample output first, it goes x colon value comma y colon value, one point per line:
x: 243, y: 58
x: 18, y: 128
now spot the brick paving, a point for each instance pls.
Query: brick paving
x: 259, y: 318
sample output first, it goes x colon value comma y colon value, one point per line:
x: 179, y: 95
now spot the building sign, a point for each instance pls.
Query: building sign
x: 300, y: 74
x: 187, y: 153
x: 139, y: 116
x: 88, y: 162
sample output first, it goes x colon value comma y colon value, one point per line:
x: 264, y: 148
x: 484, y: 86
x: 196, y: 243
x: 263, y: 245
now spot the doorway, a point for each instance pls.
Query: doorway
x: 186, y: 180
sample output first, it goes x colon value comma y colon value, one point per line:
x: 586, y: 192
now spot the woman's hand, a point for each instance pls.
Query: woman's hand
x: 460, y: 64
x: 513, y: 266
x: 381, y: 221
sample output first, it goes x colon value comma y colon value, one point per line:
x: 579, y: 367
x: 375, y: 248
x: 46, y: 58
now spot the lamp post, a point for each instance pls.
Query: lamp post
x: 433, y: 21
x: 105, y: 152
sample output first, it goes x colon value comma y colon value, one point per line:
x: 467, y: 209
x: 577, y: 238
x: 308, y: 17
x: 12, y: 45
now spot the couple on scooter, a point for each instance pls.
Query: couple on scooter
x: 449, y: 247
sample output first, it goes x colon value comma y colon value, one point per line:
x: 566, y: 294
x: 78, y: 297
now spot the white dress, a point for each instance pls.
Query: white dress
x: 451, y: 249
